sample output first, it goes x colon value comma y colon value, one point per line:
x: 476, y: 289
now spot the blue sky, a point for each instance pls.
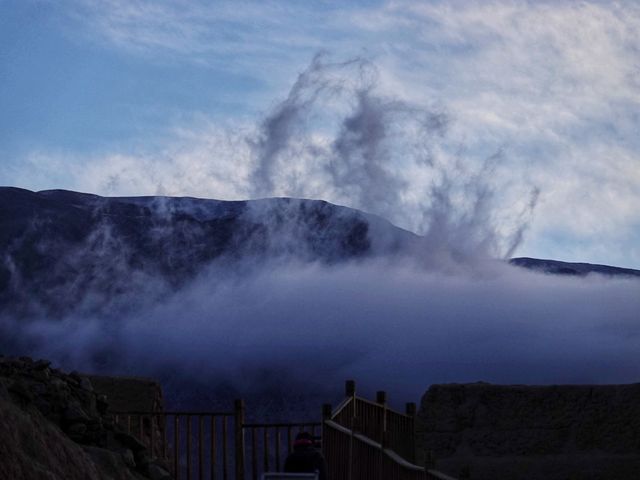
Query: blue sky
x: 134, y: 97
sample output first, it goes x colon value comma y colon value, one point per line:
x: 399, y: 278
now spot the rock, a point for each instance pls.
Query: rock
x: 156, y: 472
x: 130, y: 442
x: 37, y: 389
x: 127, y: 455
x: 77, y: 431
x: 126, y: 394
x: 41, y: 365
x: 112, y: 464
x: 74, y: 378
x: 4, y: 393
x: 55, y: 426
x: 108, y: 422
x: 102, y: 404
x: 142, y: 458
x: 31, y: 447
x: 44, y: 406
x: 75, y: 414
x: 85, y: 383
x: 20, y: 389
x: 41, y: 375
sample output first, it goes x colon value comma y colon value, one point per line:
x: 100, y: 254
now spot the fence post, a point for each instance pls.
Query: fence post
x: 326, y: 415
x: 350, y: 388
x: 239, y: 437
x: 381, y: 399
x: 411, y: 411
x: 350, y: 391
x: 326, y: 411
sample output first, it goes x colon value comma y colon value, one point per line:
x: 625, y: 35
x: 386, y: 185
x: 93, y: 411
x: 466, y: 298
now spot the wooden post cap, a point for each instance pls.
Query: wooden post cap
x: 411, y: 409
x: 350, y: 388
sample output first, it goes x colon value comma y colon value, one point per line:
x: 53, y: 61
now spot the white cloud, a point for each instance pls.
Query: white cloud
x: 243, y: 37
x: 556, y: 85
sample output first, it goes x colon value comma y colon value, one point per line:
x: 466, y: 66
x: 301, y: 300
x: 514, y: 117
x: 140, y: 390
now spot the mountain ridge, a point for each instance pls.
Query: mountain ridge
x: 60, y: 248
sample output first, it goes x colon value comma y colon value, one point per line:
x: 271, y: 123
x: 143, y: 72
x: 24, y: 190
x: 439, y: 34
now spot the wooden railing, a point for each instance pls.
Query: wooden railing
x: 213, y: 445
x: 190, y: 444
x: 266, y: 451
x: 361, y: 440
x: 367, y: 440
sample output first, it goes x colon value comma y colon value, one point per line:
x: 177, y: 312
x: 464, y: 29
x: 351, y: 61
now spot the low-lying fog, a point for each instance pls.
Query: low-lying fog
x: 304, y: 329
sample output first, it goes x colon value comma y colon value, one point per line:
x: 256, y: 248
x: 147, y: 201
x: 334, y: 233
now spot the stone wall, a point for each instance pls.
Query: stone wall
x: 485, y: 431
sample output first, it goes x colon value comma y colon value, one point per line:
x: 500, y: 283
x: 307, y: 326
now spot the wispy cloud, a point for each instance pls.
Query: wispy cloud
x: 241, y: 36
x: 554, y: 86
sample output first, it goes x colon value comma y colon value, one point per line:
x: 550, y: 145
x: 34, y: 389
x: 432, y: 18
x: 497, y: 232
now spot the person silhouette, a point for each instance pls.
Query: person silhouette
x: 305, y: 458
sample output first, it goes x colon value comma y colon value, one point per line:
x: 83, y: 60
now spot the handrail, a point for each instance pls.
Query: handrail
x: 440, y: 475
x: 374, y: 404
x: 281, y: 425
x: 170, y: 413
x: 341, y: 406
x: 390, y: 453
x: 369, y: 432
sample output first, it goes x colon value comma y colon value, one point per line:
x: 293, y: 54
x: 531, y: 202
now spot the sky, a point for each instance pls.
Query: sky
x: 370, y: 103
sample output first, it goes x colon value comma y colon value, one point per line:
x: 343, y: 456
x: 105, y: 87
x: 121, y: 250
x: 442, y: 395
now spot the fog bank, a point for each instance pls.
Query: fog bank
x: 393, y: 326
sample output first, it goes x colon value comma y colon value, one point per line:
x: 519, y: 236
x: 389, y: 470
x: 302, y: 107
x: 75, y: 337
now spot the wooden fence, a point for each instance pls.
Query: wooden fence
x: 192, y: 445
x: 214, y: 445
x: 266, y: 451
x: 361, y: 440
x: 367, y: 440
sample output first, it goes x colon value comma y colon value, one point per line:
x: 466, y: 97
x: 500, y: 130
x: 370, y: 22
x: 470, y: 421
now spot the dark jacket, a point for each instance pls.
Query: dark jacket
x: 306, y: 459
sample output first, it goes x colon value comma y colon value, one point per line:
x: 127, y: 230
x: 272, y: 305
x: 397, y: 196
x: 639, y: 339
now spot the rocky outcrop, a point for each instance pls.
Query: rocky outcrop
x: 565, y: 432
x: 129, y: 394
x: 61, y: 251
x: 55, y: 426
x: 135, y: 394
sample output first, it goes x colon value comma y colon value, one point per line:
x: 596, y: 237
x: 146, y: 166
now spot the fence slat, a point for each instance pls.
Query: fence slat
x: 225, y: 461
x: 239, y: 438
x: 265, y: 446
x: 188, y: 418
x: 152, y: 434
x: 213, y: 447
x: 200, y: 450
x: 176, y: 446
x: 164, y: 438
x: 254, y: 454
x: 277, y: 449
